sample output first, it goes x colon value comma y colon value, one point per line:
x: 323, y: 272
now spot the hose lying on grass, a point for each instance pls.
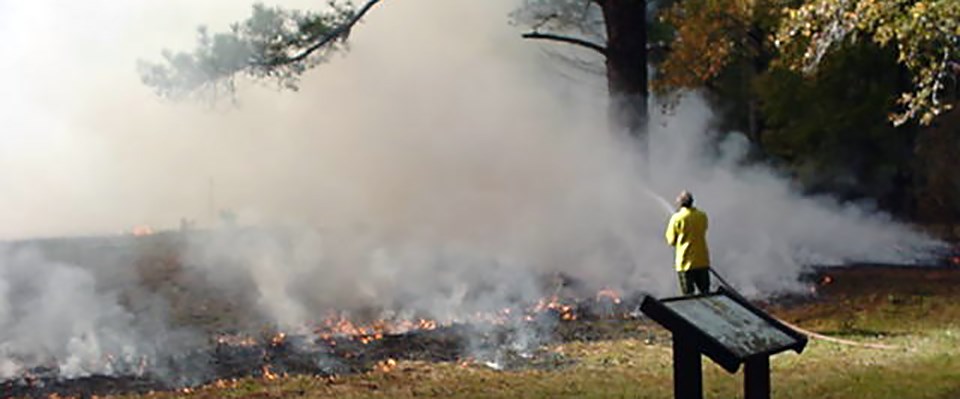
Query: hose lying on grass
x: 666, y: 206
x: 806, y: 332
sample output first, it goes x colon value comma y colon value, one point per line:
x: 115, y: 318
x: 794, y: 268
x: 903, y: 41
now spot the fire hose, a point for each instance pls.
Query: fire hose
x: 666, y: 205
x: 803, y: 331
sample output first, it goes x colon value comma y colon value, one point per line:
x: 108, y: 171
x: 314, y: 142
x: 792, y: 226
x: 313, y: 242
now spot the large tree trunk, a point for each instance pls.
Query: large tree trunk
x: 626, y: 61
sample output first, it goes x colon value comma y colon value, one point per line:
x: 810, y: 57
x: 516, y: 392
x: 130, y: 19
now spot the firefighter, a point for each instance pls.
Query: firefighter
x: 687, y: 232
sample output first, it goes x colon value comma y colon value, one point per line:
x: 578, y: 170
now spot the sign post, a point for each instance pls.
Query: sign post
x: 727, y: 329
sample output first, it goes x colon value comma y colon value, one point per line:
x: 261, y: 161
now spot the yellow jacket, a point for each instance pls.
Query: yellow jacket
x: 687, y: 231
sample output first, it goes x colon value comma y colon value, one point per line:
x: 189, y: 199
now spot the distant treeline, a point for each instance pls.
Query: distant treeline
x: 853, y: 99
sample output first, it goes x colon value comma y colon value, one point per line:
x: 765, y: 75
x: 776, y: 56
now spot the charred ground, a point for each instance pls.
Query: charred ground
x: 857, y: 302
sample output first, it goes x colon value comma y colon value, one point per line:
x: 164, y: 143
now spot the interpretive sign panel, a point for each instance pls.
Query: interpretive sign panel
x: 730, y: 331
x: 737, y: 328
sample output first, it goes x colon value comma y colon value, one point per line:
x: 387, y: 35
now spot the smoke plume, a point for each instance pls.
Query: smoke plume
x: 441, y: 168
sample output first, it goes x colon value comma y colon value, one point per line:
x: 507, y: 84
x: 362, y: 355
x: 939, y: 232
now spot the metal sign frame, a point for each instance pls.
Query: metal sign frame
x: 691, y: 340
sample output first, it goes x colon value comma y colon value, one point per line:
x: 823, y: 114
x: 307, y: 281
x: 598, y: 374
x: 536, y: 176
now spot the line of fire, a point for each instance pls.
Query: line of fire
x: 343, y: 342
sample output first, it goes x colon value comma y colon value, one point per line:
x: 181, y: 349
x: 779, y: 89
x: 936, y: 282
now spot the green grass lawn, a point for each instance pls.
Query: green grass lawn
x: 921, y: 317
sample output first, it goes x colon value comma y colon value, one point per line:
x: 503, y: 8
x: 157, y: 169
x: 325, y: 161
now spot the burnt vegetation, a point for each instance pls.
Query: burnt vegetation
x: 515, y: 338
x: 238, y: 344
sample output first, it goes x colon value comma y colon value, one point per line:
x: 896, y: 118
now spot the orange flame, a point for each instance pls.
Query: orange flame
x: 566, y: 312
x: 141, y: 230
x: 338, y: 325
x: 386, y: 366
x: 236, y: 340
x: 268, y: 374
x: 225, y: 383
x: 278, y: 339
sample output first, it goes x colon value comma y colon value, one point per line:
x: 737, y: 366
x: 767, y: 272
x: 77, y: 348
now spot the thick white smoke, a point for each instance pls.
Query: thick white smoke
x: 54, y: 315
x: 762, y: 230
x: 442, y: 167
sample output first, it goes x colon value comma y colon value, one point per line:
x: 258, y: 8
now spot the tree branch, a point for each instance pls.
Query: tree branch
x: 543, y: 21
x: 566, y: 39
x: 340, y: 32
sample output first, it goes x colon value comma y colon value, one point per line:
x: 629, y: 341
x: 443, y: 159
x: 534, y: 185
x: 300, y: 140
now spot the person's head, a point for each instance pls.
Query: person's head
x: 685, y: 199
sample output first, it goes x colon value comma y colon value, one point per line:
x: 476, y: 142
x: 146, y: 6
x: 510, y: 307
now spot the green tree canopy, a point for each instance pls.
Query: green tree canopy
x: 280, y: 44
x: 926, y: 34
x: 274, y: 43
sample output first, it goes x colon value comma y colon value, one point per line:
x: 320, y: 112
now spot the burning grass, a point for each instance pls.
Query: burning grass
x: 636, y: 364
x: 633, y: 368
x: 913, y: 309
x: 339, y: 345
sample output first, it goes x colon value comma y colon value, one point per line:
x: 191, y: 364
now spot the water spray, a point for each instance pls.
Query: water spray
x: 729, y: 287
x: 662, y: 201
